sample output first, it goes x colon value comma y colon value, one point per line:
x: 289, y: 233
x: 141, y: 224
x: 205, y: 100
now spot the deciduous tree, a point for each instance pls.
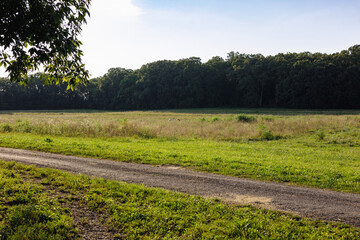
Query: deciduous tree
x: 44, y: 33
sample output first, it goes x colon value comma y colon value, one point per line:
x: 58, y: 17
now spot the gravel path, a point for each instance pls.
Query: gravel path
x: 308, y: 202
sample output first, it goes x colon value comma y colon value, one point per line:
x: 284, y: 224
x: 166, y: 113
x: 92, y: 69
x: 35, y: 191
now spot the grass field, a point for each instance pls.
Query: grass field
x: 49, y: 204
x: 319, y: 149
x: 222, y: 125
x: 300, y: 161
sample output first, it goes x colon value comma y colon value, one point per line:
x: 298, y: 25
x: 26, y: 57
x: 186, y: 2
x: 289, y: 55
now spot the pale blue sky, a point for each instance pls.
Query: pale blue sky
x: 130, y: 33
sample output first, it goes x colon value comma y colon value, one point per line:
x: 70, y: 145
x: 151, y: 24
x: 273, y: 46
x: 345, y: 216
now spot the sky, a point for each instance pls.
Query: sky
x: 131, y: 33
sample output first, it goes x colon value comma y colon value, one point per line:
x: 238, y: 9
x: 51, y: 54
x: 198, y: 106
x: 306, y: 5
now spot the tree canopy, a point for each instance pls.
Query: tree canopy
x: 291, y: 80
x: 44, y: 33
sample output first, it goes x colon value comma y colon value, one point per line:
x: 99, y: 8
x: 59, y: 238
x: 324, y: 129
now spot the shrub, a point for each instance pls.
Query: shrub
x: 214, y: 119
x: 320, y: 135
x: 268, y: 119
x: 23, y: 126
x: 5, y: 127
x: 245, y: 118
x: 265, y: 134
x: 124, y: 120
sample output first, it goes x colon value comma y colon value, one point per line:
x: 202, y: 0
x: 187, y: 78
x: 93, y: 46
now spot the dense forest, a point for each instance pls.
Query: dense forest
x: 291, y: 80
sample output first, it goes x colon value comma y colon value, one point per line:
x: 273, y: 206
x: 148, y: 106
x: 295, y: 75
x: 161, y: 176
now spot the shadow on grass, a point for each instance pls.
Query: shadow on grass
x: 267, y: 111
x: 259, y: 111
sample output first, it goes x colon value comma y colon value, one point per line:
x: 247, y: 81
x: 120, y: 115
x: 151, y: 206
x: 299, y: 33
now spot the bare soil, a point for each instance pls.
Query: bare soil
x: 307, y: 202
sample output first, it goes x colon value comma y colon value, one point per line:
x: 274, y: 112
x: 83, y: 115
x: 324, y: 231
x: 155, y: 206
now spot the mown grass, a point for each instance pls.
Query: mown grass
x: 30, y: 208
x: 305, y: 161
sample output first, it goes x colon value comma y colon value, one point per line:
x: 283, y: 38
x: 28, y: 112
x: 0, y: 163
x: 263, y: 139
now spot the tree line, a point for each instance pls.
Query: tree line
x: 291, y: 80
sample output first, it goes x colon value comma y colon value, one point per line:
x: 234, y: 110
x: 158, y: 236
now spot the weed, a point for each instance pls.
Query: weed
x: 320, y: 135
x: 245, y: 118
x: 122, y: 121
x: 48, y: 140
x: 265, y: 134
x: 214, y: 119
x: 23, y: 126
x: 269, y: 118
x: 5, y: 127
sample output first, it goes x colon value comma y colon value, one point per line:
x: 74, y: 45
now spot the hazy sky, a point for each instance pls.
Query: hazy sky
x: 130, y: 33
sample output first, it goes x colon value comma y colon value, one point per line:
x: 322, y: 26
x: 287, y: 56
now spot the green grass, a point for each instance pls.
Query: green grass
x: 32, y: 199
x: 305, y: 161
x: 28, y: 213
x: 310, y: 148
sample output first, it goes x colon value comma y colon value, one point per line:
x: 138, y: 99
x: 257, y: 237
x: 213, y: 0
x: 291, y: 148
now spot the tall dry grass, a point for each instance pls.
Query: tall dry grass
x: 173, y: 125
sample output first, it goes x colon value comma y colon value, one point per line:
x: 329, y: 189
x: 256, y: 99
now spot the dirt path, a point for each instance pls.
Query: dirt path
x: 313, y: 203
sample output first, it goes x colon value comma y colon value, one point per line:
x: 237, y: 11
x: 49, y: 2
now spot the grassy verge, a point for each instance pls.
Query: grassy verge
x: 304, y: 161
x: 32, y: 200
x: 28, y: 213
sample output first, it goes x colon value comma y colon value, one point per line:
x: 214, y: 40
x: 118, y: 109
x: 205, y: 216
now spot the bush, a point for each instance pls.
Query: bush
x: 320, y: 135
x: 5, y: 127
x: 23, y: 126
x: 266, y: 134
x: 245, y: 118
x: 268, y: 119
x: 214, y: 119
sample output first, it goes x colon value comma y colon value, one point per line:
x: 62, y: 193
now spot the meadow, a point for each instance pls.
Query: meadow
x: 318, y: 149
x: 214, y: 124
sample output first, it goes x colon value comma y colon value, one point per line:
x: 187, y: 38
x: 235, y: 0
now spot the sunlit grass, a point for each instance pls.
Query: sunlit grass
x: 309, y: 148
x: 175, y: 125
x: 313, y: 150
x: 26, y: 212
x: 304, y: 161
x: 137, y: 212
